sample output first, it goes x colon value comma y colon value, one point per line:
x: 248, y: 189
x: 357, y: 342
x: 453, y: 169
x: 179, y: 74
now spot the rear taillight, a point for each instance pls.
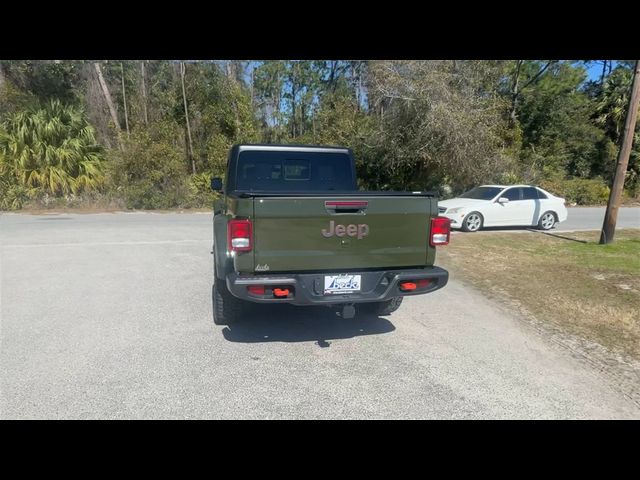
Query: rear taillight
x: 256, y: 289
x: 408, y: 286
x: 440, y: 230
x: 282, y: 292
x: 239, y: 235
x: 411, y: 285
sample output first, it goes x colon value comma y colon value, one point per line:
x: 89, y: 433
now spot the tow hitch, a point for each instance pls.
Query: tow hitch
x: 348, y: 311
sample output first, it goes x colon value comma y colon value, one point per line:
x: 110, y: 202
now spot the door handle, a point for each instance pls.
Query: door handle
x: 336, y: 206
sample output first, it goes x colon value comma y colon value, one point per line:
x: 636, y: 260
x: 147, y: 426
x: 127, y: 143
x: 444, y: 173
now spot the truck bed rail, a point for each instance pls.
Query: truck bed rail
x: 335, y: 193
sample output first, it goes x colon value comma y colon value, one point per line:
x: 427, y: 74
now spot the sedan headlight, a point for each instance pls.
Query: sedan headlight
x: 455, y: 210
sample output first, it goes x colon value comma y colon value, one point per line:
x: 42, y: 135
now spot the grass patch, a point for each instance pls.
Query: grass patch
x: 587, y: 289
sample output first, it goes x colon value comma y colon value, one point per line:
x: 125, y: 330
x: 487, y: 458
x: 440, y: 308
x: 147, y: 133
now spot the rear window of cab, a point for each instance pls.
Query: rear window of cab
x: 282, y: 171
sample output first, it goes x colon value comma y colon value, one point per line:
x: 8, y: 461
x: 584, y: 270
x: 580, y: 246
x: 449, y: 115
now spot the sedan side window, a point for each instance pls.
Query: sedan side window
x: 529, y: 193
x: 541, y: 194
x: 512, y: 194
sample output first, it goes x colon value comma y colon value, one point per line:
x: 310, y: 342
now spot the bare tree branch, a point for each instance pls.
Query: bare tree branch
x: 537, y: 75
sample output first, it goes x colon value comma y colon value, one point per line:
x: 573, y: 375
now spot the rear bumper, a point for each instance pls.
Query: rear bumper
x: 308, y: 288
x: 562, y: 214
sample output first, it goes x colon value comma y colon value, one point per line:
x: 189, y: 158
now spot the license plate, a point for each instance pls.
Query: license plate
x: 337, y: 284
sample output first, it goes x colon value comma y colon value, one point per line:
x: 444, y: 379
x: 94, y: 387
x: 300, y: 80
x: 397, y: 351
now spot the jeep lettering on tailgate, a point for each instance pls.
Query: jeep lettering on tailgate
x: 360, y: 231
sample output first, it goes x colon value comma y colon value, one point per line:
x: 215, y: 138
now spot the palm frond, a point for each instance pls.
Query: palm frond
x: 51, y: 147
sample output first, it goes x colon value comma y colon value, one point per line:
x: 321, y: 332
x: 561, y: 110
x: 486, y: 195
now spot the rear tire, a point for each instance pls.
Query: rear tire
x: 472, y: 222
x: 381, y: 308
x: 227, y: 309
x: 547, y: 221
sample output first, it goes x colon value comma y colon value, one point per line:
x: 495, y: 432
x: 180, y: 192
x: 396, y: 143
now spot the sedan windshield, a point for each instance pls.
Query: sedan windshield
x: 482, y: 193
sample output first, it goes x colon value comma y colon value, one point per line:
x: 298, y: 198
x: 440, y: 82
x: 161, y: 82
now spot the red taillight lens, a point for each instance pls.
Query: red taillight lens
x: 408, y: 286
x: 256, y: 289
x: 239, y: 235
x: 411, y: 285
x: 440, y: 231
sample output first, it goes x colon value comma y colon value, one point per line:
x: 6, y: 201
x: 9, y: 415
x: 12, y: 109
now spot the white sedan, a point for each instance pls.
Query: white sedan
x: 502, y: 206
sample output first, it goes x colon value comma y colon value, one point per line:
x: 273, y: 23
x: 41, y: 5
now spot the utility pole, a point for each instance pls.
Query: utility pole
x: 611, y: 216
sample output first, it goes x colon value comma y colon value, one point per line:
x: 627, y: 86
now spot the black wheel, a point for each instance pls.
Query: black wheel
x: 547, y: 221
x: 227, y: 309
x: 381, y: 308
x: 472, y: 222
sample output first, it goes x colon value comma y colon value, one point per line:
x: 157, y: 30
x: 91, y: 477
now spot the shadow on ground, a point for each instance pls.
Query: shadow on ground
x: 287, y: 323
x: 504, y: 229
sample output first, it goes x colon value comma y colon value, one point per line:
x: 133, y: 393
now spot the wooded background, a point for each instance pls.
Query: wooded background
x: 151, y: 134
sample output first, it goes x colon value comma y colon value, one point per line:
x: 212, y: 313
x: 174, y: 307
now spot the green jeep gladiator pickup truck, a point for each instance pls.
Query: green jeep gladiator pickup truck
x: 291, y: 226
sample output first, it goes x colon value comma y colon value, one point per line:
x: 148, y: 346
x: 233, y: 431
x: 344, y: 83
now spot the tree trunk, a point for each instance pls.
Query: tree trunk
x: 124, y: 99
x: 2, y: 79
x: 253, y: 69
x: 313, y: 125
x: 515, y: 92
x: 144, y: 93
x: 112, y: 108
x: 186, y: 116
x: 518, y: 90
x: 293, y: 107
x: 359, y: 87
x: 276, y: 106
x: 332, y: 75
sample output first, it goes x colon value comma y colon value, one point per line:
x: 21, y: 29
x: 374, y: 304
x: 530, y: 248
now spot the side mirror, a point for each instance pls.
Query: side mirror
x: 503, y: 200
x: 216, y: 184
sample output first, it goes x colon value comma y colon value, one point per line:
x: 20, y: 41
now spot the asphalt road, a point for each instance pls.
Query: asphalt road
x: 591, y: 218
x: 109, y: 316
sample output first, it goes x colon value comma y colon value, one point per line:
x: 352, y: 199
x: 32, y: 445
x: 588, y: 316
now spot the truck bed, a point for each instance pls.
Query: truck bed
x: 303, y: 232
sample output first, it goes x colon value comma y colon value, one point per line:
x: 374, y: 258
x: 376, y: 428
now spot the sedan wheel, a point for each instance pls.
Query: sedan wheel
x: 472, y: 222
x: 547, y: 221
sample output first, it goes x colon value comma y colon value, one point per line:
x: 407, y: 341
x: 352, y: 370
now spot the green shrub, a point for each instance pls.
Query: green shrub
x: 200, y: 194
x: 152, y: 171
x: 12, y: 195
x: 51, y: 148
x: 580, y: 191
x: 510, y: 178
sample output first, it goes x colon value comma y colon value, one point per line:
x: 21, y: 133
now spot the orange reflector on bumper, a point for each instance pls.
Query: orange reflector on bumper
x: 281, y: 292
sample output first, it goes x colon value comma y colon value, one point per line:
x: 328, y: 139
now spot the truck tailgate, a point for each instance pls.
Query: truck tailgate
x: 341, y: 233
